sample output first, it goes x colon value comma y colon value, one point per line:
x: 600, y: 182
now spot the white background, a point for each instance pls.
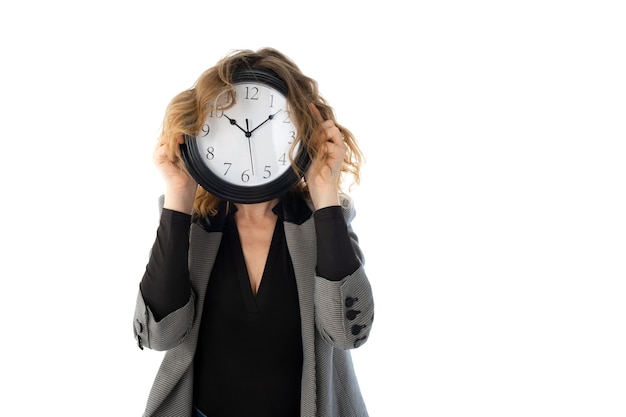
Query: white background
x: 491, y: 209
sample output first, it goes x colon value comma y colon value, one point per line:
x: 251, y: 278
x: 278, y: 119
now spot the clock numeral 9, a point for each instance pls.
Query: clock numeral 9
x: 205, y: 129
x: 210, y: 153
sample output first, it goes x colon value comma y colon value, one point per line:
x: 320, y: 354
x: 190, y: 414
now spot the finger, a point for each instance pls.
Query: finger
x: 163, y: 153
x: 158, y: 145
x: 335, y: 136
x: 316, y: 113
x: 160, y: 152
x: 333, y: 139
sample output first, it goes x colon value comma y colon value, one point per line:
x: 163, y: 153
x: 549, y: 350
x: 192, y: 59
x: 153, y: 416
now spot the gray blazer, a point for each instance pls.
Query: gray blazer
x: 327, y: 308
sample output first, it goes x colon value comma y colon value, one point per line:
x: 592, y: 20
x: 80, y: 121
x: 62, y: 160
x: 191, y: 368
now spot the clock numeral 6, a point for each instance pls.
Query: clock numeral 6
x: 210, y: 153
x: 245, y: 177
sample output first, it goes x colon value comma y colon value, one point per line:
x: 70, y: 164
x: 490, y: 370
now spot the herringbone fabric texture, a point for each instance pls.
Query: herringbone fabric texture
x: 329, y: 384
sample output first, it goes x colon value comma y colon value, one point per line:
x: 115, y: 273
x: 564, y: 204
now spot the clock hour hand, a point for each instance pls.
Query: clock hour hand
x: 234, y: 122
x: 270, y: 117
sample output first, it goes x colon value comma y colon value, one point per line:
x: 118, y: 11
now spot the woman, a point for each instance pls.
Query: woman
x: 278, y: 344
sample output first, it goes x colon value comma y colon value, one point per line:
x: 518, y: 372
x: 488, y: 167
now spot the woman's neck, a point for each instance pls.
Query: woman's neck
x: 258, y: 211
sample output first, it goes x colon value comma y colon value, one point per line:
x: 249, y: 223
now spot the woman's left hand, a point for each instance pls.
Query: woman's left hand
x: 323, y: 174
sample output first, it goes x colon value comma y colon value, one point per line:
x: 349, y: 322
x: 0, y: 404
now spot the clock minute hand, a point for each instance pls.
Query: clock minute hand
x: 234, y: 122
x: 270, y: 117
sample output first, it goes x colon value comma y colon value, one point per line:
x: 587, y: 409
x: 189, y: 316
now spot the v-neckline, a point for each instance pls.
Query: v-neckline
x: 252, y: 302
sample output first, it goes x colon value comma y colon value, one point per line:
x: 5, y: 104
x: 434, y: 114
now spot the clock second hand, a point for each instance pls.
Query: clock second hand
x: 249, y: 135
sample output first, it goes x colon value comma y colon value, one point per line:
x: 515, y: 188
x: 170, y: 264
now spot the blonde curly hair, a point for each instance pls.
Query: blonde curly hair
x: 214, y: 89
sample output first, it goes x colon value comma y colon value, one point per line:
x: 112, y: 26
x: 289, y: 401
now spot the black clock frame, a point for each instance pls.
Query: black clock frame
x: 212, y: 183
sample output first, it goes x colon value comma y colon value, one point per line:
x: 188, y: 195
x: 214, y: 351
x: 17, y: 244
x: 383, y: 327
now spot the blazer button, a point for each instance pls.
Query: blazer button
x: 351, y: 314
x: 358, y: 342
x: 356, y: 329
x: 350, y: 301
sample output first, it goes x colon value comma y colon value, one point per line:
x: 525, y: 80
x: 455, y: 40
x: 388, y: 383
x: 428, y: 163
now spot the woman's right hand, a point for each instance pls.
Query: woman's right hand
x: 180, y: 188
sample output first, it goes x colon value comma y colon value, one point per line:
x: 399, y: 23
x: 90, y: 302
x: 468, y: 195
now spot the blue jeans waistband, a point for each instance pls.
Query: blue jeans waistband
x: 197, y: 413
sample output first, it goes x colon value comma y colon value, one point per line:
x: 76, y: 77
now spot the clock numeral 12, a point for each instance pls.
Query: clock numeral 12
x: 254, y: 95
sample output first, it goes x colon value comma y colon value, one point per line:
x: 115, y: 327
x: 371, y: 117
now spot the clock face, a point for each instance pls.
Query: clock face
x: 242, y: 153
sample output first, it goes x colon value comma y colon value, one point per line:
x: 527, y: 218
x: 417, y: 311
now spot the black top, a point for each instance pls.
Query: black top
x: 249, y: 355
x: 256, y: 368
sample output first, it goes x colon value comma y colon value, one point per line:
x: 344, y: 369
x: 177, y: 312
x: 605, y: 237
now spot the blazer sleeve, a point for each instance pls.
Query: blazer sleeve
x: 344, y: 309
x: 166, y: 333
x: 165, y: 330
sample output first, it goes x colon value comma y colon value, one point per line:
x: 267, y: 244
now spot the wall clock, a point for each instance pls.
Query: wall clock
x: 242, y: 154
